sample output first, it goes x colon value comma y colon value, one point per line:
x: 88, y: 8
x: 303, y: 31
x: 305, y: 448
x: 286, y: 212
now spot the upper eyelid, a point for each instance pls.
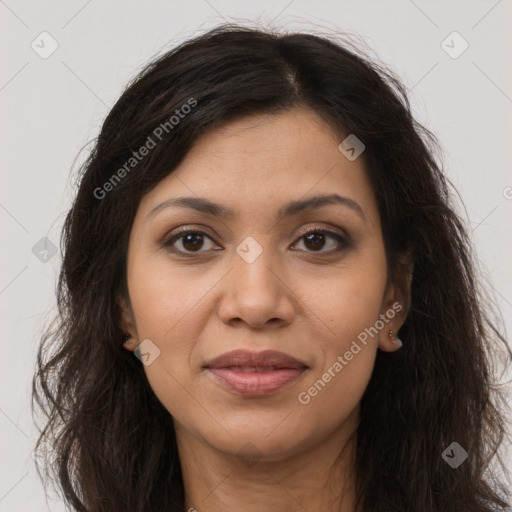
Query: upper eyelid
x: 319, y: 227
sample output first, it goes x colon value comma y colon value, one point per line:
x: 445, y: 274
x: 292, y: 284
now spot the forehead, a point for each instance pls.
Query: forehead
x: 260, y: 162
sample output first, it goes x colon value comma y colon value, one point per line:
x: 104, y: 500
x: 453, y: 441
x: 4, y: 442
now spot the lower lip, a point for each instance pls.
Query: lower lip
x: 256, y: 383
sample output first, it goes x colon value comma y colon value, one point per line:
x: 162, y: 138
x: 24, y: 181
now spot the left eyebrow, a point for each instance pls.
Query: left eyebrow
x: 315, y: 202
x: 292, y: 208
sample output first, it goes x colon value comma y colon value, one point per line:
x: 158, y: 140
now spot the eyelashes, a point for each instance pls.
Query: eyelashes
x: 195, y: 238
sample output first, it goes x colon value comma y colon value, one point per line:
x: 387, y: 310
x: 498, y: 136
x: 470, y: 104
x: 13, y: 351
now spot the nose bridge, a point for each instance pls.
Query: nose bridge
x: 256, y: 293
x: 254, y: 265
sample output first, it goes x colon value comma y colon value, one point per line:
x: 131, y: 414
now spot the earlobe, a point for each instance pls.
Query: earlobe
x: 395, y: 339
x: 395, y: 314
x: 130, y: 343
x: 392, y: 342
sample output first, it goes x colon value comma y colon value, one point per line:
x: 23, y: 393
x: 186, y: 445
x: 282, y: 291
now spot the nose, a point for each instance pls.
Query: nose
x: 257, y: 293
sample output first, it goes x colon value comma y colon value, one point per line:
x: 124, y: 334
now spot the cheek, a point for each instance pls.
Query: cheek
x: 347, y: 300
x: 166, y: 297
x: 349, y: 304
x: 331, y: 394
x: 169, y: 312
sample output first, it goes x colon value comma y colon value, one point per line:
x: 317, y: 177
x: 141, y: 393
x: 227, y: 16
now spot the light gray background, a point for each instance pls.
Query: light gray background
x: 49, y: 108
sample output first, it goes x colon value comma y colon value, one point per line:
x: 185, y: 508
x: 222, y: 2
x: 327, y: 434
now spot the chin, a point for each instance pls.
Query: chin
x: 255, y: 444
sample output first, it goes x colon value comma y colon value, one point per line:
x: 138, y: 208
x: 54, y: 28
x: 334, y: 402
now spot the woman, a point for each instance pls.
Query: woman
x: 259, y: 219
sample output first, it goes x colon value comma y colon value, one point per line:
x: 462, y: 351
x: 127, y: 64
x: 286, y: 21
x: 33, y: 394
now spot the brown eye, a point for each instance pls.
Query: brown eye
x: 190, y: 241
x: 316, y: 240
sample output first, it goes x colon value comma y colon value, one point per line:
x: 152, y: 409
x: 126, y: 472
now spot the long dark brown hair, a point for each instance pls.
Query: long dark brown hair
x: 109, y: 444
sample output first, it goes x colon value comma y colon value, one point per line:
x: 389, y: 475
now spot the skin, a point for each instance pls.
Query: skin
x: 309, y: 302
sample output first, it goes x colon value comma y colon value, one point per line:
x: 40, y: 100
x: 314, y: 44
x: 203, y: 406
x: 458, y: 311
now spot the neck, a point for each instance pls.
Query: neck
x: 317, y: 479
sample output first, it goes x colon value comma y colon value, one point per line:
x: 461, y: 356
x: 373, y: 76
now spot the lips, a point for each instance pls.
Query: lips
x: 270, y: 359
x: 255, y: 374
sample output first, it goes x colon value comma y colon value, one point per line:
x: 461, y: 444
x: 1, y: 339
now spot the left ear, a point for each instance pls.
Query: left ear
x: 396, y: 304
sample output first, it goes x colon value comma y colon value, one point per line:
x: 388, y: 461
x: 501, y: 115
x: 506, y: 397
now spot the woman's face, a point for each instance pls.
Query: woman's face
x: 255, y: 280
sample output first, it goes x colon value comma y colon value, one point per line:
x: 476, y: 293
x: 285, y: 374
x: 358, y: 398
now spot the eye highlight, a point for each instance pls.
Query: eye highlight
x: 192, y: 241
